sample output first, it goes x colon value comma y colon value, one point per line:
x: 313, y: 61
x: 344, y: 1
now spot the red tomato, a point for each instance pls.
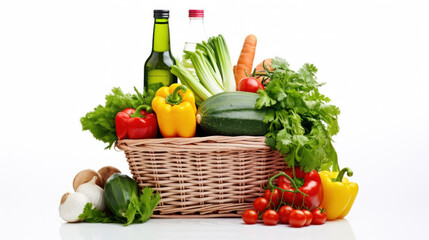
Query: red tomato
x: 308, y: 216
x: 319, y: 216
x: 250, y: 84
x: 297, y: 218
x: 270, y: 217
x: 275, y: 198
x: 284, y: 213
x: 250, y: 216
x: 260, y: 204
x: 312, y: 187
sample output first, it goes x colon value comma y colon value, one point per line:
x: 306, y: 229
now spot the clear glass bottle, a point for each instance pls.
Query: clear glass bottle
x: 157, y: 67
x: 196, y: 33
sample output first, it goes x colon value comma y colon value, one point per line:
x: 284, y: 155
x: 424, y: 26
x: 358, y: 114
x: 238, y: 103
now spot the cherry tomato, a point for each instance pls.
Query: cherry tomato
x: 260, y: 204
x: 250, y: 84
x: 284, y: 213
x: 250, y: 216
x: 297, y: 218
x: 275, y: 198
x: 319, y: 216
x: 270, y: 217
x: 308, y: 216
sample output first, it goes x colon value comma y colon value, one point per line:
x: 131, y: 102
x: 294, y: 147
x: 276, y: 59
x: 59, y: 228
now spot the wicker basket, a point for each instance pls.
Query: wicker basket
x: 214, y: 176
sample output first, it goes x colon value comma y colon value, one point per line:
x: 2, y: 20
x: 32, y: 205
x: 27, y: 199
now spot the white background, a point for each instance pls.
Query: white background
x: 60, y: 58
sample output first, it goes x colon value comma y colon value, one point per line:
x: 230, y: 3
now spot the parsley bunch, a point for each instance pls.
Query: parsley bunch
x: 139, y: 210
x: 301, y: 122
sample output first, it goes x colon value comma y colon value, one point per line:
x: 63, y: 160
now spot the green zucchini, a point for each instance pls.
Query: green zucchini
x: 118, y: 191
x: 232, y: 114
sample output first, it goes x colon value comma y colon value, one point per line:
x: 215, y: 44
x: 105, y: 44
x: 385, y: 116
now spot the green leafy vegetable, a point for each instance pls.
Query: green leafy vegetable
x: 301, y: 122
x: 139, y: 210
x: 101, y: 121
x: 93, y: 215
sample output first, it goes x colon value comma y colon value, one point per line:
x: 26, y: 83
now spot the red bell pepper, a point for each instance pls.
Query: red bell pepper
x: 300, y: 189
x: 136, y: 123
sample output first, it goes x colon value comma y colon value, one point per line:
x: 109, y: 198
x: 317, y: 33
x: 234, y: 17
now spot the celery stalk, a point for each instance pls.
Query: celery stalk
x: 190, y: 80
x: 213, y: 67
x: 210, y: 56
x: 224, y: 62
x: 214, y: 75
x: 203, y: 73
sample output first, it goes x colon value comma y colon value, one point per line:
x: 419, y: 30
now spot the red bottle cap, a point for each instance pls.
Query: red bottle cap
x: 196, y: 13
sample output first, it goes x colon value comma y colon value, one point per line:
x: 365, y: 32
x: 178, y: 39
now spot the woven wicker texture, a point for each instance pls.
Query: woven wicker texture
x: 214, y: 176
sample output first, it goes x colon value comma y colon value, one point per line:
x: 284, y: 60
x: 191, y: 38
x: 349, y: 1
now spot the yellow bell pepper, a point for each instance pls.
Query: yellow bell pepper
x: 338, y: 193
x: 176, y: 111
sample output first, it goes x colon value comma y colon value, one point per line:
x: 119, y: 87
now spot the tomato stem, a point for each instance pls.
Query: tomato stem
x: 265, y: 67
x: 272, y: 186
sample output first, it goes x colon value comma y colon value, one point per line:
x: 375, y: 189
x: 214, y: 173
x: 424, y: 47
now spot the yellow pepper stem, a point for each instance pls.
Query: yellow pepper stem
x: 175, y: 98
x: 341, y: 174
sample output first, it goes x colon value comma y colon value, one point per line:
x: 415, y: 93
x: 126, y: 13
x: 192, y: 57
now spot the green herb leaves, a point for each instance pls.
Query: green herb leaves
x: 301, y: 122
x: 93, y: 215
x: 139, y: 210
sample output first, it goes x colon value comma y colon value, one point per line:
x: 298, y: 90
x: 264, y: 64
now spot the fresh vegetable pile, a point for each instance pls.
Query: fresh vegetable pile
x: 298, y: 197
x: 301, y: 123
x: 274, y: 101
x: 119, y: 202
x: 124, y: 201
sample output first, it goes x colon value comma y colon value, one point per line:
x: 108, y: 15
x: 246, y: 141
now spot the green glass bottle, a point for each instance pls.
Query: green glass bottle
x: 157, y: 67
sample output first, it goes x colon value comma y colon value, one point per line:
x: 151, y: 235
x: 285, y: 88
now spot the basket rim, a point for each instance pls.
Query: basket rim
x: 244, y: 142
x: 217, y: 138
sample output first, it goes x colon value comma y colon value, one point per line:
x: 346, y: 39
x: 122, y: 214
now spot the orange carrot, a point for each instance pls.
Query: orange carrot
x: 245, y: 61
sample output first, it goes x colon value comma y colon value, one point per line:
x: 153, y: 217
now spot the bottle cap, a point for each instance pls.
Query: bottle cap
x: 161, y: 13
x: 196, y: 13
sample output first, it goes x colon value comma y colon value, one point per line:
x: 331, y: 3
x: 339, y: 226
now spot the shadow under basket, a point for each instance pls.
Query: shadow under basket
x: 215, y: 176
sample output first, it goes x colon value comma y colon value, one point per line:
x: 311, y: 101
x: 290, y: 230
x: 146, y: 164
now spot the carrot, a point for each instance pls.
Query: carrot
x: 245, y: 61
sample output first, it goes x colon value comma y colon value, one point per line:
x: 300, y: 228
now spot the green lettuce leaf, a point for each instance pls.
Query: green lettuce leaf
x: 101, y: 121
